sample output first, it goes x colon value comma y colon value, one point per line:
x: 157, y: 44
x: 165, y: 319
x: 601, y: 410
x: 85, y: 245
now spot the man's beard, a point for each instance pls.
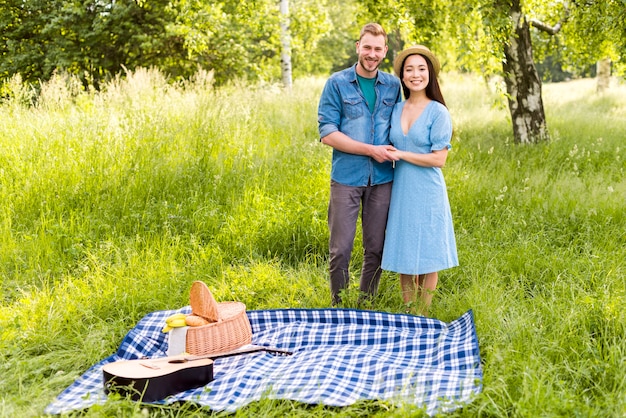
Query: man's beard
x: 367, y: 65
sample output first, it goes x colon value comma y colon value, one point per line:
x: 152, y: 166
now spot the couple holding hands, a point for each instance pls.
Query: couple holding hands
x: 386, y: 166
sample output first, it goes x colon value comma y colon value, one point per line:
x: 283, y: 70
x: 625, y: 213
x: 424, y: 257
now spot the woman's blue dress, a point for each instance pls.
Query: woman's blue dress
x: 420, y: 233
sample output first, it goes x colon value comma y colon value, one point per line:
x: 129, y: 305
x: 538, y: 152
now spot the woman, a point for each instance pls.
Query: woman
x: 420, y: 239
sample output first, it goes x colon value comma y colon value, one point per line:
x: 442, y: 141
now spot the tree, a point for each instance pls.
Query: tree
x: 238, y: 39
x: 248, y: 40
x: 597, y: 33
x: 93, y: 39
x: 417, y: 21
x: 23, y: 46
x: 603, y: 74
x: 502, y: 28
x: 285, y: 40
x: 484, y: 33
x: 322, y: 40
x: 586, y: 32
x: 522, y: 81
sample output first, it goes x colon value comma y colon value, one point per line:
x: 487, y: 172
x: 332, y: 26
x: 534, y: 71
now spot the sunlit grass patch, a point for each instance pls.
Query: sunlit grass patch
x: 113, y: 203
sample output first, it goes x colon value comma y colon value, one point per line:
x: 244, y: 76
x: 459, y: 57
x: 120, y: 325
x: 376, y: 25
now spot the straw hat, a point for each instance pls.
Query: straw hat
x: 228, y: 328
x: 415, y: 49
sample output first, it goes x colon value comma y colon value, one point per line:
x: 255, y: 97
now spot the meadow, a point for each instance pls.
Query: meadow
x: 112, y: 203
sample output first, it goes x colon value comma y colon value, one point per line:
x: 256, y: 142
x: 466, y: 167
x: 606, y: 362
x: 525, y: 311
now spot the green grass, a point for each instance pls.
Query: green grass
x: 112, y: 203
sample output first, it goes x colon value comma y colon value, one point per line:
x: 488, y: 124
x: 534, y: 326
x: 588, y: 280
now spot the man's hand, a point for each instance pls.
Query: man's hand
x: 344, y: 143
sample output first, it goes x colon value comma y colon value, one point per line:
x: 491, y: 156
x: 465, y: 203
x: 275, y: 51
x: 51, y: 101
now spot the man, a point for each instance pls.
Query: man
x: 353, y: 117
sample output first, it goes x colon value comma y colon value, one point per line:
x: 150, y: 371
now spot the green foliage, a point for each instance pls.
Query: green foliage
x: 91, y: 39
x: 233, y: 38
x: 113, y: 202
x: 469, y: 36
x: 237, y: 40
x: 597, y: 30
x: 323, y: 36
x: 589, y: 32
x: 96, y: 40
x: 410, y: 22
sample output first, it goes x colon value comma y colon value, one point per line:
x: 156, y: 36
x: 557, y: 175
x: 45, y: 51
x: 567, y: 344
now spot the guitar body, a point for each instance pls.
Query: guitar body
x: 153, y: 380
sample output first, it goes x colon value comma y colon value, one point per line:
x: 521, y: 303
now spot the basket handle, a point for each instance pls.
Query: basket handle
x: 202, y: 302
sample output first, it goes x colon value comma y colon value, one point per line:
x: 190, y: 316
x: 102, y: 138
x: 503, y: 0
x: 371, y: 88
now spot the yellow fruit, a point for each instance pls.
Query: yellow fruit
x: 176, y: 323
x: 175, y: 317
x: 166, y: 328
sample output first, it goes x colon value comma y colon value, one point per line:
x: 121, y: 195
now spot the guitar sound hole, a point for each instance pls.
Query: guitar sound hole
x: 177, y: 361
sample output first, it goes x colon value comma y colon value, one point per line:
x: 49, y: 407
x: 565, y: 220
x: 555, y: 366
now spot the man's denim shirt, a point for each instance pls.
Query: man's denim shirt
x: 342, y: 107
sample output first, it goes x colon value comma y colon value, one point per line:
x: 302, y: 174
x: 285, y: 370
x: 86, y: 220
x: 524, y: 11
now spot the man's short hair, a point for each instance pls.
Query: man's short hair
x: 373, y: 29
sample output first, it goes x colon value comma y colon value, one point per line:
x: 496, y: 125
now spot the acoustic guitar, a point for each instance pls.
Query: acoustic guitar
x: 151, y: 380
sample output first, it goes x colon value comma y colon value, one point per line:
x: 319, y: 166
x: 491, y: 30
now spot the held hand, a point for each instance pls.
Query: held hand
x: 396, y: 154
x: 382, y: 153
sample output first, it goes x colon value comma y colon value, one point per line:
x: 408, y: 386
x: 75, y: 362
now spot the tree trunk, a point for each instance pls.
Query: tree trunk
x: 522, y: 83
x: 395, y: 44
x: 285, y: 40
x: 603, y: 74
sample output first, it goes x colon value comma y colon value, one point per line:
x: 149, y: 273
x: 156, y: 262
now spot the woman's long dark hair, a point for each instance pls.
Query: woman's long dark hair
x: 433, y: 91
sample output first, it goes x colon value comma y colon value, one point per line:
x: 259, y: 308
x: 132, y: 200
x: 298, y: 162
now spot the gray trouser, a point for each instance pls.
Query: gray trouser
x: 343, y: 212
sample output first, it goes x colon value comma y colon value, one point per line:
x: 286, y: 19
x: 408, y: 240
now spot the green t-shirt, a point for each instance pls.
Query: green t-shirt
x: 367, y: 87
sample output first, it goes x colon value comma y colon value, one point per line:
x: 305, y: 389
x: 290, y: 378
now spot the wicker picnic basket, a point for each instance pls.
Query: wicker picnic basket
x: 229, y: 327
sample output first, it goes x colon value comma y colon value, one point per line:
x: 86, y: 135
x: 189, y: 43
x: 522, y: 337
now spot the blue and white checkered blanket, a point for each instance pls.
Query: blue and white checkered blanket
x: 341, y: 356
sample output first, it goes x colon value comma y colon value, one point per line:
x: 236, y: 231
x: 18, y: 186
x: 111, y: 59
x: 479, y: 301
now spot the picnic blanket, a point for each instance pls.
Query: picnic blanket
x: 340, y: 356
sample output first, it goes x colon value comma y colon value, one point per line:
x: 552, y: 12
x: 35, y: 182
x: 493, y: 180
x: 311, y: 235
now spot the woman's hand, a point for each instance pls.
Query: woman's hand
x: 433, y: 159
